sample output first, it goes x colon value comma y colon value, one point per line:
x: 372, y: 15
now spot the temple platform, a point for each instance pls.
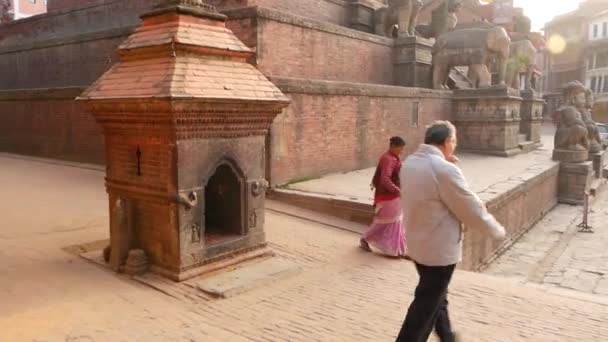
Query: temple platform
x: 519, y: 191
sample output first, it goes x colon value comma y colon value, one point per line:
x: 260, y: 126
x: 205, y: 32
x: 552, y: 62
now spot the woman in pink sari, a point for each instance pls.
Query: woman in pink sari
x: 387, y: 234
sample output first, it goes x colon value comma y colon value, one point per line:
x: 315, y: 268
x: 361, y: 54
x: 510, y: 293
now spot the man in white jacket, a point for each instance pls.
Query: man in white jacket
x: 436, y: 200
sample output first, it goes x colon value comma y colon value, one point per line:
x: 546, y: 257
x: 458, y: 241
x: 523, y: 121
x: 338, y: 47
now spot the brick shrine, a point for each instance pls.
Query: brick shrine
x: 184, y: 118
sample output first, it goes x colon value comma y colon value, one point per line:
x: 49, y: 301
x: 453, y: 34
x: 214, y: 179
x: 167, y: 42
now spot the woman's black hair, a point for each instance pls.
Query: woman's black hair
x: 397, y: 142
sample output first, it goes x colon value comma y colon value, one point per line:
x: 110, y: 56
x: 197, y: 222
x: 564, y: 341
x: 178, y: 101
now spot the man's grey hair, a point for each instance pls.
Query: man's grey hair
x: 439, y: 132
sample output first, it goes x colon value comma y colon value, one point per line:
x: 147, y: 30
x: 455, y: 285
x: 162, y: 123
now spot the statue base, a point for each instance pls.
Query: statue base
x: 361, y: 16
x: 600, y: 160
x: 570, y: 156
x: 412, y: 60
x: 488, y: 120
x: 574, y: 182
x: 593, y: 149
x: 532, y: 116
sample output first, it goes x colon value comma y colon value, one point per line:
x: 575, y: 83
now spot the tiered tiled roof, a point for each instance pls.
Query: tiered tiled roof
x: 184, y: 51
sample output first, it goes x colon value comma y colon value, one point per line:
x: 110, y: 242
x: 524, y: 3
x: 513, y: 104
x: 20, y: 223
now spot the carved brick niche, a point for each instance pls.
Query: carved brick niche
x: 185, y: 118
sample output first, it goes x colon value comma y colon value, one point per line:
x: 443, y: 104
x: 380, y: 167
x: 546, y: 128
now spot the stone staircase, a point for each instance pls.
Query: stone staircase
x: 524, y: 144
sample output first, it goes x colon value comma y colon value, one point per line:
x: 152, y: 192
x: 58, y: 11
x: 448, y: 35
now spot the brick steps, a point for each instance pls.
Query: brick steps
x: 527, y: 146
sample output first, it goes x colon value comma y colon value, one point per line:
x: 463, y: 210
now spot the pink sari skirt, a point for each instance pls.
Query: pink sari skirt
x: 386, y: 235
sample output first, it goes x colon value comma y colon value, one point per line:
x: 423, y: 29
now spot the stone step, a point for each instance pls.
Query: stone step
x: 521, y: 138
x: 527, y: 146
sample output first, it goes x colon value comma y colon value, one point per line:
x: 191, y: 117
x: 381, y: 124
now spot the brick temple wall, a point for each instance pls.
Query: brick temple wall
x: 292, y: 46
x: 67, y: 49
x: 333, y: 127
x: 49, y: 123
x: 55, y: 5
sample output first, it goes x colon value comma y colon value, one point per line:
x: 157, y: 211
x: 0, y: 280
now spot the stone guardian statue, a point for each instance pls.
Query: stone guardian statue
x: 400, y: 13
x: 443, y: 19
x: 571, y: 138
x: 595, y: 141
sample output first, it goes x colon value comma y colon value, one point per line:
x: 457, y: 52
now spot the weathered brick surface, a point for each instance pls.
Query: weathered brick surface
x: 290, y: 46
x: 518, y: 203
x: 342, y: 294
x: 286, y: 46
x: 54, y: 5
x: 49, y: 123
x: 334, y: 127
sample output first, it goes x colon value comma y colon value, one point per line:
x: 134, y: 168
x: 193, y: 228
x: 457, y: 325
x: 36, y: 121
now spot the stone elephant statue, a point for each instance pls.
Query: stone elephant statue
x: 472, y: 48
x: 522, y: 55
x: 400, y: 13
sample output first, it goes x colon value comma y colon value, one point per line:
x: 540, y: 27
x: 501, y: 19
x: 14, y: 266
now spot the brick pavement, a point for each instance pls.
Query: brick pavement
x: 341, y: 295
x: 555, y: 254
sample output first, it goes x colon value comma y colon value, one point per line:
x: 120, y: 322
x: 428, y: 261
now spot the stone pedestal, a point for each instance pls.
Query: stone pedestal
x: 361, y: 15
x: 574, y: 182
x: 532, y: 116
x: 412, y: 60
x: 599, y: 162
x: 488, y: 120
x: 184, y: 118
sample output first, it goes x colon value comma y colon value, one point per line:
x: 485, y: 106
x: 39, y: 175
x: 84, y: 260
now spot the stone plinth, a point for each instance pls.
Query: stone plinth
x: 412, y: 61
x: 574, y: 182
x: 570, y: 156
x: 532, y: 116
x: 599, y: 162
x: 184, y: 118
x: 361, y: 15
x: 488, y: 120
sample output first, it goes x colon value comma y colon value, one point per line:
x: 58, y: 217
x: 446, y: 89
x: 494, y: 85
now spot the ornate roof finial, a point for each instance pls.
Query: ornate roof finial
x: 188, y: 3
x: 199, y: 8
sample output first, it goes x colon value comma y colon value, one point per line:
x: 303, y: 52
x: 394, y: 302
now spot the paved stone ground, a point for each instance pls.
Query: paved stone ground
x: 342, y: 294
x: 556, y: 254
x: 481, y: 172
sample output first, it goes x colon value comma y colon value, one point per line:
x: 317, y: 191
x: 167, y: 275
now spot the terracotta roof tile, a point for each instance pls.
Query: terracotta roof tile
x: 200, y: 77
x: 153, y: 64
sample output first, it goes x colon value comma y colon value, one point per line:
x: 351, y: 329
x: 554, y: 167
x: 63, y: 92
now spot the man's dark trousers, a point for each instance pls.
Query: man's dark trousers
x: 430, y: 306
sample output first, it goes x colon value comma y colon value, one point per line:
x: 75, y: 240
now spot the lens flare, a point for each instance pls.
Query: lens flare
x: 556, y: 44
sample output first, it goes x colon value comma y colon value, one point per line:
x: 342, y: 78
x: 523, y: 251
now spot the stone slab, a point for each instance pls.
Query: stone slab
x: 231, y: 283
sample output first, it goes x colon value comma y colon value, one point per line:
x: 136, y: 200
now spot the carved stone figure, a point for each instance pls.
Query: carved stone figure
x: 472, y: 48
x: 522, y: 55
x: 572, y: 132
x: 595, y: 142
x: 402, y: 13
x: 443, y: 19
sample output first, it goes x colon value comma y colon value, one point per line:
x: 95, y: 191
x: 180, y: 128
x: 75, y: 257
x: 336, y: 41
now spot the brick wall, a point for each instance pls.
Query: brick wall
x: 349, y: 122
x: 48, y: 123
x: 332, y: 11
x: 290, y: 46
x: 518, y: 203
x: 333, y: 127
x: 54, y: 5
